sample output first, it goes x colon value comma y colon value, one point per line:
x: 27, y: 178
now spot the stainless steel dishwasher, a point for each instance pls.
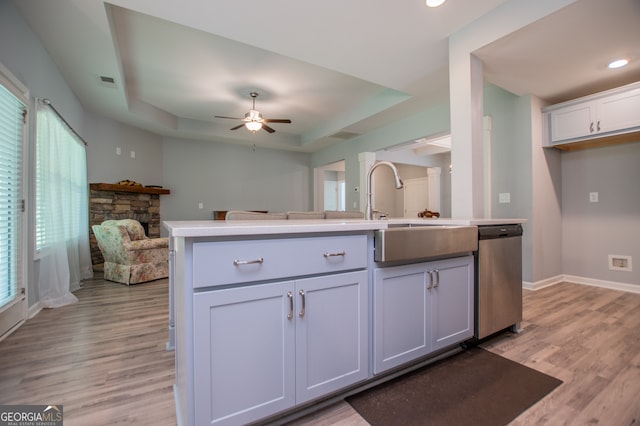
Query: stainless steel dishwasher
x: 498, y: 279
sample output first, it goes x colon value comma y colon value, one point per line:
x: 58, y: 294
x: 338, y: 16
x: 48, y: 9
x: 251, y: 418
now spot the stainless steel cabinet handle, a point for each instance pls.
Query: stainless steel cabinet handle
x: 339, y: 253
x: 290, y: 296
x: 598, y: 126
x: 591, y: 127
x: 247, y: 262
x: 301, y: 292
x: 430, y: 280
x: 437, y: 273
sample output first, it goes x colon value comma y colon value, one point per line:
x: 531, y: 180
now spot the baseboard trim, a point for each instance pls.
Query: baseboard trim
x: 612, y: 285
x: 539, y: 285
x: 34, y: 310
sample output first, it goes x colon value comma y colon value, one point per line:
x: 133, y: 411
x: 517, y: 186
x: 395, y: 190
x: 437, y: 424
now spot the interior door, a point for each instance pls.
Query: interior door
x: 416, y: 196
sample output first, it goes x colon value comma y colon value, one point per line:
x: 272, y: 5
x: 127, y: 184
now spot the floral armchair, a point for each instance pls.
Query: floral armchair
x: 130, y: 257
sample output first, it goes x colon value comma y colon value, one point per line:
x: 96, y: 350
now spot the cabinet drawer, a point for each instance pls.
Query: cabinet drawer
x: 228, y: 262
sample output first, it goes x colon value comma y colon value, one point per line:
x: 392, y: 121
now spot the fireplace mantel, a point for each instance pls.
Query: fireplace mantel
x: 128, y: 188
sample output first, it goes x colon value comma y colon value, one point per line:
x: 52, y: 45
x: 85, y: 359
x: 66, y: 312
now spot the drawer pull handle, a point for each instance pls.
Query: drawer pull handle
x: 339, y: 253
x: 247, y: 262
x: 290, y: 296
x: 430, y: 280
x: 437, y: 273
x: 301, y: 292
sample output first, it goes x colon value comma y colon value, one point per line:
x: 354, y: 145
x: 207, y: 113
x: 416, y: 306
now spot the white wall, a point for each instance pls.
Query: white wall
x: 104, y: 165
x: 229, y: 177
x: 592, y: 231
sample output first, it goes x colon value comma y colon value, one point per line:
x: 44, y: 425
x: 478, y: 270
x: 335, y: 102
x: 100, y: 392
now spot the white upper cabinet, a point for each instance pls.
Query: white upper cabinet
x: 571, y: 122
x: 608, y: 114
x: 619, y: 112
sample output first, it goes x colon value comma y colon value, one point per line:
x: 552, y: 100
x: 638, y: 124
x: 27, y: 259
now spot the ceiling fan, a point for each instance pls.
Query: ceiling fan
x: 254, y: 121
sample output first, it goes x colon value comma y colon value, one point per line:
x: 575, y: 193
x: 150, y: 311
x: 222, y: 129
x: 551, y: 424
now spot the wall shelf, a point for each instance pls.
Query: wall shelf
x: 127, y: 188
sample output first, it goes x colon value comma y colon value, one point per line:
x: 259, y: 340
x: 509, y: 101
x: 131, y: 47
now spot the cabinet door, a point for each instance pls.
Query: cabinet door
x: 243, y: 353
x: 400, y: 329
x: 572, y: 122
x: 451, y: 294
x: 331, y: 333
x: 619, y: 112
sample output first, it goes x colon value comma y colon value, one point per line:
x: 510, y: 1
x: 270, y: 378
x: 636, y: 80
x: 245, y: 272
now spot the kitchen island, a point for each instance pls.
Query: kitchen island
x: 271, y: 317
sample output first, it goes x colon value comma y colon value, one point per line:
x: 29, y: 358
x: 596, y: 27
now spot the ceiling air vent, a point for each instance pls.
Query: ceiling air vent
x: 108, y: 81
x: 344, y: 135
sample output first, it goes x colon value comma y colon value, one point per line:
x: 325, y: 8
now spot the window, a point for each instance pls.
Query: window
x: 12, y: 119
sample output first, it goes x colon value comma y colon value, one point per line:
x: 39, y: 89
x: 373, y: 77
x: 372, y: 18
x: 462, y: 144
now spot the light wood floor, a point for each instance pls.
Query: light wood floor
x: 104, y: 358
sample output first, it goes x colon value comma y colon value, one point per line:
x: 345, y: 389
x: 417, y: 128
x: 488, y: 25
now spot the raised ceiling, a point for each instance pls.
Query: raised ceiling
x: 337, y: 69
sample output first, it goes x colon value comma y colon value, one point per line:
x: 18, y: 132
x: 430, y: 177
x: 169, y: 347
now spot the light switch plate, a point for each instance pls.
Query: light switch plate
x: 504, y: 197
x: 593, y: 197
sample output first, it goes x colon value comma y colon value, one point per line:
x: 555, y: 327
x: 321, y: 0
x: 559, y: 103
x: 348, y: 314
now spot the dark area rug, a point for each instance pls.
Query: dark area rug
x: 473, y: 387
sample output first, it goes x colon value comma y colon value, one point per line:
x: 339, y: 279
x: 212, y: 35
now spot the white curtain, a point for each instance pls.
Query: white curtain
x: 62, y: 222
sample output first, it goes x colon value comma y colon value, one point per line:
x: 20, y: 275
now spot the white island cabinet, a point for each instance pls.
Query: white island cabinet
x: 421, y: 308
x: 271, y: 323
x: 271, y: 320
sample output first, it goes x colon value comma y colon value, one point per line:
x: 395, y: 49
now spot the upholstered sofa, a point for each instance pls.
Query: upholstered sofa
x: 130, y: 257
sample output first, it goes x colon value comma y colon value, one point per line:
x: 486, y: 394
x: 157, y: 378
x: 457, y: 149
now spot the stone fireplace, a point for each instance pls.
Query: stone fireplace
x: 109, y: 201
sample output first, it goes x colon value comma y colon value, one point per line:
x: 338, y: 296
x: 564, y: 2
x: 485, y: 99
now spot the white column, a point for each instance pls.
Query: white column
x: 465, y: 91
x: 467, y: 135
x: 366, y: 160
x: 433, y: 202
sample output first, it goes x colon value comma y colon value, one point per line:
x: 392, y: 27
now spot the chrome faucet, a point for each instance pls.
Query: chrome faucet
x: 399, y: 184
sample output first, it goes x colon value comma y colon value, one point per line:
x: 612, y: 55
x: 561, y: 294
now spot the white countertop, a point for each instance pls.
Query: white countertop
x: 222, y: 228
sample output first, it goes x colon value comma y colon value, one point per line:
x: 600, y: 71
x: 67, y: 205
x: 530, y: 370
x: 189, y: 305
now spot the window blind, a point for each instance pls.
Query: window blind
x: 12, y: 117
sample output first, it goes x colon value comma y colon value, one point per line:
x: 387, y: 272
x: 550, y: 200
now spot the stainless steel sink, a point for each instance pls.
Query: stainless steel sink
x: 405, y: 243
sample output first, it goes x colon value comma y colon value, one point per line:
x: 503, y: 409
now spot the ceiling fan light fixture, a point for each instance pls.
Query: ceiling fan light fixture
x: 254, y: 126
x: 253, y: 115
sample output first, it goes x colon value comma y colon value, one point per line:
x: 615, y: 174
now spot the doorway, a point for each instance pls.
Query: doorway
x: 330, y: 187
x: 416, y: 196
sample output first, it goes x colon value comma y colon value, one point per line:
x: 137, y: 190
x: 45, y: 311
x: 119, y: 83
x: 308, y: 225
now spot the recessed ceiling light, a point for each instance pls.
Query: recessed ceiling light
x: 434, y: 3
x: 618, y: 63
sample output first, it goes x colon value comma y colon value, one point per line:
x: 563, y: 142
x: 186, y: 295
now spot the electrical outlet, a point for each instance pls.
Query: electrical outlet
x: 200, y: 205
x: 118, y: 151
x: 133, y: 154
x: 593, y: 197
x: 504, y: 197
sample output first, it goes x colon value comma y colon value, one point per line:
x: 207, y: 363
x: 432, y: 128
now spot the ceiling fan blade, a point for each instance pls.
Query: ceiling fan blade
x: 267, y: 128
x: 276, y: 120
x: 230, y: 118
x: 237, y: 127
